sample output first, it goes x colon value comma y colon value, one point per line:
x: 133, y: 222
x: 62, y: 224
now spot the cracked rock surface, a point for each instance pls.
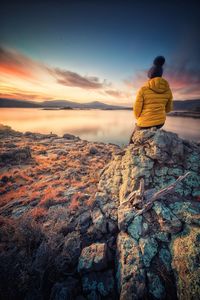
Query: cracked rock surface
x: 87, y: 241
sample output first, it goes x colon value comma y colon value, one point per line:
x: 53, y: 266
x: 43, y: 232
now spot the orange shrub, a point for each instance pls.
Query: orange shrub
x: 37, y: 212
x: 74, y: 204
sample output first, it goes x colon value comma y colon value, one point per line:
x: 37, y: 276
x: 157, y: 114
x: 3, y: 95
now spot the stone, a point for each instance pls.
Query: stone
x: 149, y: 248
x: 167, y: 220
x: 130, y: 270
x: 93, y: 150
x: 70, y: 136
x: 19, y: 211
x: 93, y: 258
x: 102, y: 283
x: 20, y: 155
x: 84, y: 221
x: 65, y: 290
x: 165, y: 257
x: 156, y: 287
x: 162, y: 236
x: 99, y: 220
x: 124, y: 218
x: 72, y: 248
x: 185, y: 262
x: 135, y: 228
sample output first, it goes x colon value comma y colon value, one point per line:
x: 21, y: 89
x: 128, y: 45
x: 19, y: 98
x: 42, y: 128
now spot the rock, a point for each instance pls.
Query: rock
x: 99, y: 220
x: 84, y: 221
x: 93, y: 150
x: 185, y: 263
x: 70, y: 137
x: 100, y: 283
x: 165, y: 257
x: 187, y: 211
x: 130, y: 270
x: 102, y: 250
x: 135, y: 228
x: 72, y: 248
x: 156, y: 287
x: 7, y: 131
x: 65, y: 290
x: 39, y: 136
x: 149, y: 248
x: 167, y: 220
x: 21, y: 155
x: 19, y: 211
x: 93, y: 258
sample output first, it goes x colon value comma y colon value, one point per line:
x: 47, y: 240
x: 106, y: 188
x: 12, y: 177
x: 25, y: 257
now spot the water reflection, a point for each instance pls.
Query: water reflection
x: 93, y: 125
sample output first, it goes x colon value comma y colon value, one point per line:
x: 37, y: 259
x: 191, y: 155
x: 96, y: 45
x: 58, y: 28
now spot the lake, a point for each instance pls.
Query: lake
x: 108, y: 126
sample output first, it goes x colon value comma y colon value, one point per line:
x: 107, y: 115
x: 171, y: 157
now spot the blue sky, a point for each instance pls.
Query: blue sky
x: 113, y: 40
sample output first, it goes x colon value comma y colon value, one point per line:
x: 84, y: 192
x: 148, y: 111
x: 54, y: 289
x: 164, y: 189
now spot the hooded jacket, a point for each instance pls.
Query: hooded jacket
x: 152, y: 103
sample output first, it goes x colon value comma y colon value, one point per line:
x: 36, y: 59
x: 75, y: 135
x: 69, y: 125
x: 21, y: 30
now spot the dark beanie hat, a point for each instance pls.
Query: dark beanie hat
x: 157, y: 70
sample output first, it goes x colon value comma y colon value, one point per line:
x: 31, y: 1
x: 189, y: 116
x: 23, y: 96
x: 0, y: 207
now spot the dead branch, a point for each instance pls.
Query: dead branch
x: 160, y: 194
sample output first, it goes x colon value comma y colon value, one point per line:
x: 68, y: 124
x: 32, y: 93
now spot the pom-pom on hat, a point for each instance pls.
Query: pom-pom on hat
x: 159, y: 61
x: 157, y: 70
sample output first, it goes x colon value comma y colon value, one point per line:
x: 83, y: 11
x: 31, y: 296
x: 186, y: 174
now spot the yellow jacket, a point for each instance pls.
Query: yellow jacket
x: 152, y: 103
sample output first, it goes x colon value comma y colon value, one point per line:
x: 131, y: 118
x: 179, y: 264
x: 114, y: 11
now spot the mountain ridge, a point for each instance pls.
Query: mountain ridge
x: 4, y: 102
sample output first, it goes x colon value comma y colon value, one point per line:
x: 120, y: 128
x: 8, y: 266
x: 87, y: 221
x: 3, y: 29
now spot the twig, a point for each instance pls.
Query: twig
x: 139, y: 194
x: 160, y: 194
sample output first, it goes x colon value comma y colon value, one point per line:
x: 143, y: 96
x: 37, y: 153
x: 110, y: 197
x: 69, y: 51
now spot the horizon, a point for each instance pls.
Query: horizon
x: 93, y: 51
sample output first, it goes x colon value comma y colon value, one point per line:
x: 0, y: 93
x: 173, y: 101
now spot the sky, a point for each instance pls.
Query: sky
x: 96, y: 50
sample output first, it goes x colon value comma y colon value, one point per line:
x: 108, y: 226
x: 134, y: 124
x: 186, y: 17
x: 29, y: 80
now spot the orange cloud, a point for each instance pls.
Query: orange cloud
x: 16, y: 64
x: 24, y: 78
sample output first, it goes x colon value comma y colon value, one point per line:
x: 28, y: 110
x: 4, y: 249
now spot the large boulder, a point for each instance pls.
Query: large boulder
x: 157, y: 257
x: 93, y: 258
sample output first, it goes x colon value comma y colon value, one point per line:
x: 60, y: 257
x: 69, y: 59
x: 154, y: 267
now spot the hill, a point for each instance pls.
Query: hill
x: 187, y: 105
x: 57, y: 104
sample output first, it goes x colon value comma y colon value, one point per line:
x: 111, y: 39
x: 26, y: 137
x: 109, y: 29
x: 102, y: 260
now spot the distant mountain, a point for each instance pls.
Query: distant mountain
x: 57, y: 104
x: 18, y: 103
x: 186, y: 104
x: 178, y: 104
x: 87, y: 105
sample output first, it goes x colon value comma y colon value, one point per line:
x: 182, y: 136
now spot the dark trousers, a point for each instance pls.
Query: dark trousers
x: 142, y: 128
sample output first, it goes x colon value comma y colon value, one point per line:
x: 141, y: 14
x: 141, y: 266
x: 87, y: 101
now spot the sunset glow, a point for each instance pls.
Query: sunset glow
x: 69, y: 53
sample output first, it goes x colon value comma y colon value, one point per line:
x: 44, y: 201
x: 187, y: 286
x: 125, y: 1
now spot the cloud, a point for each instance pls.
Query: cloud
x: 24, y: 95
x: 17, y: 64
x: 184, y: 80
x: 117, y: 93
x: 14, y: 63
x: 70, y: 78
x: 183, y: 77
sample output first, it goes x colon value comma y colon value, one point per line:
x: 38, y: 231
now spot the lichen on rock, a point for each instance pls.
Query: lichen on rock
x: 80, y: 223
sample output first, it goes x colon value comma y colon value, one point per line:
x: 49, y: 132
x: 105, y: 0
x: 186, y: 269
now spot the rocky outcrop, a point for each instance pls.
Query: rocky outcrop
x: 157, y: 251
x: 17, y: 156
x: 129, y: 242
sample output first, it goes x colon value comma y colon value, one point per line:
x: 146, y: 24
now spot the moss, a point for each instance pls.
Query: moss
x: 185, y: 262
x: 162, y: 236
x: 186, y: 211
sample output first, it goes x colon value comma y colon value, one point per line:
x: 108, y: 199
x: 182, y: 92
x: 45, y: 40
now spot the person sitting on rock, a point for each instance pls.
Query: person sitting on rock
x: 153, y: 100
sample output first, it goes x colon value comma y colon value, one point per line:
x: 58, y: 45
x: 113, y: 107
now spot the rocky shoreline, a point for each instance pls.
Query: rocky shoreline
x: 69, y: 228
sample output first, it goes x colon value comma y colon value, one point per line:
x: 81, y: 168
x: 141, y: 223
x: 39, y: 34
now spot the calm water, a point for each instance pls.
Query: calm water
x: 93, y: 125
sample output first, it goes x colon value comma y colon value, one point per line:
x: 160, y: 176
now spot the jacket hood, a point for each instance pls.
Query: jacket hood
x: 158, y: 85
